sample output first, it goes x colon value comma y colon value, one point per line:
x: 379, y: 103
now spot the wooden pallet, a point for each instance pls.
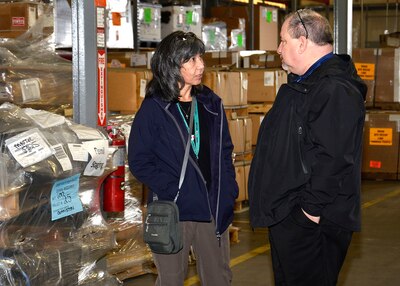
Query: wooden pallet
x: 234, y: 234
x: 387, y: 105
x: 259, y: 107
x: 234, y: 112
x: 379, y: 176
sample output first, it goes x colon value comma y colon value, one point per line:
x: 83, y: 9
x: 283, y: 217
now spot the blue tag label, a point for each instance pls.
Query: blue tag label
x: 64, y: 198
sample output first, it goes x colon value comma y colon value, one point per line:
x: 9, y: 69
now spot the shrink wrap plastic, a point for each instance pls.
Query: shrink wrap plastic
x: 52, y: 228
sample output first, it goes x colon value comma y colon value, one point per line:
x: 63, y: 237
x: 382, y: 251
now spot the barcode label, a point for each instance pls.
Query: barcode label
x: 62, y: 157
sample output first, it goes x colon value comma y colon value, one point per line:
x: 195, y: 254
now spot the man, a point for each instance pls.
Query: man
x: 305, y: 177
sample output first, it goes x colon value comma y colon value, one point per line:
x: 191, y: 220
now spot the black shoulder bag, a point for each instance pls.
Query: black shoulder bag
x: 162, y: 231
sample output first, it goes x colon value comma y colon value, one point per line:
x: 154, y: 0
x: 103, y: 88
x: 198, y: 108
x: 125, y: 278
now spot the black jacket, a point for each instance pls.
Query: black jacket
x: 309, y: 149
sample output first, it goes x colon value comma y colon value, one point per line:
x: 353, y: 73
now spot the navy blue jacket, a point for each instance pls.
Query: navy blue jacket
x: 156, y: 150
x: 309, y: 149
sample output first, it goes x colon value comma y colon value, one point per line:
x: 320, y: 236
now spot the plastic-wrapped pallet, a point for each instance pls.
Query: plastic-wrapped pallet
x: 52, y: 228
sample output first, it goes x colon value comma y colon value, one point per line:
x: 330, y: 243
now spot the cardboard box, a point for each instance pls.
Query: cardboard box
x: 256, y: 120
x: 221, y: 59
x: 387, y: 76
x: 231, y: 86
x: 381, y: 144
x: 129, y: 59
x: 242, y: 169
x: 263, y: 84
x: 16, y: 18
x: 126, y: 89
x: 229, y: 58
x: 365, y: 63
x: 260, y: 59
x: 241, y: 134
x: 265, y: 22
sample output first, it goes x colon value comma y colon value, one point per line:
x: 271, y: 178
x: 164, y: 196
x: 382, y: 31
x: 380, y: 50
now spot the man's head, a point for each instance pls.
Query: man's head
x: 306, y: 36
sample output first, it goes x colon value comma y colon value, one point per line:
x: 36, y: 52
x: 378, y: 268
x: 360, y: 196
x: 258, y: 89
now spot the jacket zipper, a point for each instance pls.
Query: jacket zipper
x: 219, y: 177
x: 299, y: 135
x: 194, y: 164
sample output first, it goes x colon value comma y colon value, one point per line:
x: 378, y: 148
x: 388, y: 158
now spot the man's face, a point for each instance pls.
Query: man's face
x: 288, y: 50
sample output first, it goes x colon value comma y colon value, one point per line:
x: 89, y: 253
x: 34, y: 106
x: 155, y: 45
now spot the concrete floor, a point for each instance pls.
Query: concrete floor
x: 373, y: 258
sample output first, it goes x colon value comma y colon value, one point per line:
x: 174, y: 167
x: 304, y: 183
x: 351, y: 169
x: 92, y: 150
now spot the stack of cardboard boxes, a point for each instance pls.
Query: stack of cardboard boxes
x: 379, y: 68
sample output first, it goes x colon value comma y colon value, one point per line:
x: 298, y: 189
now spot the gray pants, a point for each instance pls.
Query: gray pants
x: 212, y: 257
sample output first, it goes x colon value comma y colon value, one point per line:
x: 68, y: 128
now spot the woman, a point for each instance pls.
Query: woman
x: 156, y: 150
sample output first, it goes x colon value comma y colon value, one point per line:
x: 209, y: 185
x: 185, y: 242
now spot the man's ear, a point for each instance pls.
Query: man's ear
x: 303, y: 42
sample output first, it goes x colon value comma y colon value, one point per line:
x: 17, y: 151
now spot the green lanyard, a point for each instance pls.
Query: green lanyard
x: 195, y: 138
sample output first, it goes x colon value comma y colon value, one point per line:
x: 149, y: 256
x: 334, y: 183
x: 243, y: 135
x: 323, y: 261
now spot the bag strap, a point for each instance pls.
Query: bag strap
x: 187, y: 148
x: 186, y: 157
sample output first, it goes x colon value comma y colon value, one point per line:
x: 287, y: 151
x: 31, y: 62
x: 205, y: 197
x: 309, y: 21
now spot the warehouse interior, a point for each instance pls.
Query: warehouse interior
x: 72, y: 76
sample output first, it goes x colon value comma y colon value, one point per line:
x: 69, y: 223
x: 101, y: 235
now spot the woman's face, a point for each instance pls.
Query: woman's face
x: 192, y: 70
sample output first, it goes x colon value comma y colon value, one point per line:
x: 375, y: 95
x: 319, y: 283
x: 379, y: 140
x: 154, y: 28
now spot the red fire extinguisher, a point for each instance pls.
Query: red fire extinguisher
x: 114, y: 184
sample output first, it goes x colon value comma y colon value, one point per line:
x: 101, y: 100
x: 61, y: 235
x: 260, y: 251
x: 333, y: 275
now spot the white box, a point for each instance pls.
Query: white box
x: 119, y: 24
x: 149, y: 21
x: 187, y: 19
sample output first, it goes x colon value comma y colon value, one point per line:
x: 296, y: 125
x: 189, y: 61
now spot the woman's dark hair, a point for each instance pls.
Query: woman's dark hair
x: 174, y: 50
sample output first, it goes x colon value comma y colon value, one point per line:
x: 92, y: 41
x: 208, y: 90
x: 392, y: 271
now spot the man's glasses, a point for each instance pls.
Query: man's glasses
x: 304, y: 26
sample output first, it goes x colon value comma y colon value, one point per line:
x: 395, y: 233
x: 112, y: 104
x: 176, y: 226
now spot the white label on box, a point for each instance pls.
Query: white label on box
x: 275, y: 16
x: 78, y: 152
x: 98, y: 149
x: 245, y: 84
x: 246, y: 62
x: 30, y: 89
x: 142, y: 91
x: 29, y: 147
x: 269, y: 78
x: 62, y: 157
x: 395, y: 118
x: 396, y: 91
x: 31, y: 16
x: 270, y: 58
x: 138, y: 60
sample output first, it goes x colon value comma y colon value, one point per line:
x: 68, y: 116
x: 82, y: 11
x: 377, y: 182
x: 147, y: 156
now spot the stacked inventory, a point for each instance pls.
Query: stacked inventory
x: 379, y: 68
